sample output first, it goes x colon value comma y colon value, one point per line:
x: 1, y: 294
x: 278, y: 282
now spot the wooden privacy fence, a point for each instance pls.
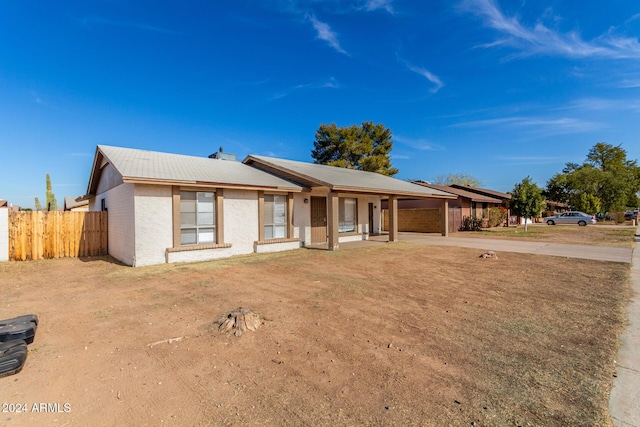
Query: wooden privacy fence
x: 44, y: 235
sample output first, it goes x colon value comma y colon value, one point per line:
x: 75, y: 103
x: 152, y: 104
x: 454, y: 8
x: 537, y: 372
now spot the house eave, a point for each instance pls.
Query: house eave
x: 182, y: 183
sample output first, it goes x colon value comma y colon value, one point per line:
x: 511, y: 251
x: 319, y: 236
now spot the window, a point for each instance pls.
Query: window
x: 347, y: 209
x: 197, y: 223
x: 275, y: 216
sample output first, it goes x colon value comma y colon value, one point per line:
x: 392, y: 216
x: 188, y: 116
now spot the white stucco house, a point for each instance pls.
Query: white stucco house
x: 165, y: 208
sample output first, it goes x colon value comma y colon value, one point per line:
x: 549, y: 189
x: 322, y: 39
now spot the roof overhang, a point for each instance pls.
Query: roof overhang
x: 315, y: 183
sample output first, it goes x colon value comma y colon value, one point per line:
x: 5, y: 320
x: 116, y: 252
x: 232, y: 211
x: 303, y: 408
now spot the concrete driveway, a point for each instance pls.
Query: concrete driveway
x: 599, y: 253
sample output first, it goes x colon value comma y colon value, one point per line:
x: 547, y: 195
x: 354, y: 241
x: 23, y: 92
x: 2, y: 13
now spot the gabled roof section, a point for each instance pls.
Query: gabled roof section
x: 484, y: 191
x: 341, y: 179
x: 71, y: 202
x: 152, y: 167
x: 474, y: 197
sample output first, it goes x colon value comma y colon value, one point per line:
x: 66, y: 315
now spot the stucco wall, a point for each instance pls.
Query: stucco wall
x: 240, y: 229
x: 153, y: 224
x: 4, y: 234
x: 119, y: 202
x: 277, y: 247
x: 302, y: 218
x: 109, y: 178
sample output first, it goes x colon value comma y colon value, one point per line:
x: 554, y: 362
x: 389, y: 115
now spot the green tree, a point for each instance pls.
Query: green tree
x: 38, y: 205
x: 52, y: 204
x: 366, y: 147
x: 526, y: 200
x: 586, y: 203
x: 457, y: 178
x: 606, y: 176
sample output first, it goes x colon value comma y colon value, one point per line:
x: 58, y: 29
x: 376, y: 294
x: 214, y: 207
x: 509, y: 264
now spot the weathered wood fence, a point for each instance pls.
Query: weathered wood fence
x: 44, y: 235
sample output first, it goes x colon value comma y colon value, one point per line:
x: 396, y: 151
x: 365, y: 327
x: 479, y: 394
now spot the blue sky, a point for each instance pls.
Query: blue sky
x: 495, y: 89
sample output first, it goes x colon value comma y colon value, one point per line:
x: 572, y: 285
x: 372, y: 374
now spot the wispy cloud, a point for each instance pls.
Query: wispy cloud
x: 91, y: 20
x: 324, y: 32
x: 599, y: 104
x: 371, y: 5
x: 541, y: 40
x: 330, y: 83
x: 424, y: 73
x: 544, y: 126
x: 418, y: 143
x: 629, y: 83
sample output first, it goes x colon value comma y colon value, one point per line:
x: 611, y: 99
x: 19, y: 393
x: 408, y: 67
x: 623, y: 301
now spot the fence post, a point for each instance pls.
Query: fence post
x: 4, y: 234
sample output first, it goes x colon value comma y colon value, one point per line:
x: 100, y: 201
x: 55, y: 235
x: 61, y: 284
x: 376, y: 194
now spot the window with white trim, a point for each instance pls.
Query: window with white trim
x: 347, y: 215
x: 197, y: 217
x: 275, y: 216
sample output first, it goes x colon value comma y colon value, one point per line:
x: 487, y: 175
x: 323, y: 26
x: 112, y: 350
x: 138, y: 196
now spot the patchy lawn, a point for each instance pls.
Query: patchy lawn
x: 398, y: 334
x: 589, y: 235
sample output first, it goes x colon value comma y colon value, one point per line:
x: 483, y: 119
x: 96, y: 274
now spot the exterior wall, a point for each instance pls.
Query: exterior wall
x: 109, y: 178
x: 119, y: 202
x: 417, y: 220
x: 302, y: 218
x: 153, y: 224
x: 4, y: 234
x: 276, y: 247
x: 240, y: 229
x: 377, y: 215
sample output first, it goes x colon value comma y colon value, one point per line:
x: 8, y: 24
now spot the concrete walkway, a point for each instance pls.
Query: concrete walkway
x: 624, y: 401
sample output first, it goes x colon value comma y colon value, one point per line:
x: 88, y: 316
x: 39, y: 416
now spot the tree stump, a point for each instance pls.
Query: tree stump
x: 489, y: 254
x: 238, y: 321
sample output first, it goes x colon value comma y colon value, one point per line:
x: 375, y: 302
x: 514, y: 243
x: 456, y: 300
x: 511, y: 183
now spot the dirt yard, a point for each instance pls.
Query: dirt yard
x: 597, y: 235
x: 397, y: 334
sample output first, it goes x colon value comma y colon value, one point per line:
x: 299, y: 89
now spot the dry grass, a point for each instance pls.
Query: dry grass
x: 398, y: 334
x: 590, y: 235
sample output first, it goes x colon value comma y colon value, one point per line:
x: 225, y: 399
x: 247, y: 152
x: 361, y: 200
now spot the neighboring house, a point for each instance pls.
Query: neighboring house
x: 9, y: 206
x: 468, y: 202
x: 417, y: 214
x: 503, y: 197
x: 76, y: 204
x: 555, y: 207
x: 172, y: 208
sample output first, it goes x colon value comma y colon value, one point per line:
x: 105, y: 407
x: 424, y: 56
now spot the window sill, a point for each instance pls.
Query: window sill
x: 199, y: 247
x: 280, y: 240
x: 349, y: 233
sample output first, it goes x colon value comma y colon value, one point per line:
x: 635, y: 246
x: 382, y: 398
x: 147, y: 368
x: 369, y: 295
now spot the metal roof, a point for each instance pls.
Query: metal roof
x: 474, y: 197
x: 341, y: 179
x: 164, y: 168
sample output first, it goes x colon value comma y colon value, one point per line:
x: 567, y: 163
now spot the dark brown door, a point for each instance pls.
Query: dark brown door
x: 370, y: 218
x: 318, y: 219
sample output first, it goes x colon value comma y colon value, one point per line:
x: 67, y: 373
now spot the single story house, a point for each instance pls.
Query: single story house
x: 504, y: 197
x: 166, y: 207
x: 76, y: 204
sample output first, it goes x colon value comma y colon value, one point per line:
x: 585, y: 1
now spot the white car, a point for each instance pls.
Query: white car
x: 574, y: 217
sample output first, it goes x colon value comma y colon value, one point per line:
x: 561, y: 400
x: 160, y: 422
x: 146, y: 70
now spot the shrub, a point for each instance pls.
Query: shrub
x: 496, y: 217
x: 618, y: 217
x: 471, y: 223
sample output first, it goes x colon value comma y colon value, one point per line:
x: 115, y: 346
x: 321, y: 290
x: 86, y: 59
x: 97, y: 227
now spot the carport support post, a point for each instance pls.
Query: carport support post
x: 333, y: 220
x: 393, y: 218
x: 444, y: 218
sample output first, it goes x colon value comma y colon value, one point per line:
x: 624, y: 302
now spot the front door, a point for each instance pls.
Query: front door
x: 370, y: 218
x: 318, y: 219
